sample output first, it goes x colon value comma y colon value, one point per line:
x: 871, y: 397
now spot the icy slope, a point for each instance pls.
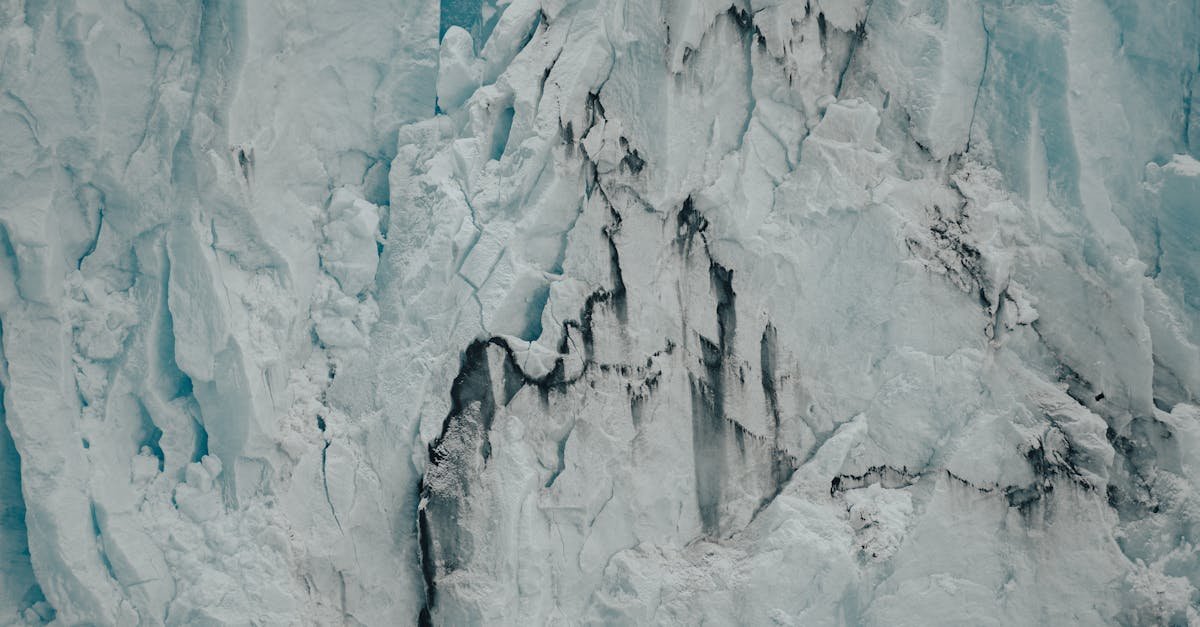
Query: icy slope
x: 590, y: 311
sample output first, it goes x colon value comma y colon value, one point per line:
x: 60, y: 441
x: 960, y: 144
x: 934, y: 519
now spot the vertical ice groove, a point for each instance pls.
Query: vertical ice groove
x: 325, y: 484
x: 983, y: 75
x: 19, y: 588
x: 168, y: 389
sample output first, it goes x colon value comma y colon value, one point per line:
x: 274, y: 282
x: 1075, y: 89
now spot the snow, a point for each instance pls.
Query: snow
x: 560, y: 311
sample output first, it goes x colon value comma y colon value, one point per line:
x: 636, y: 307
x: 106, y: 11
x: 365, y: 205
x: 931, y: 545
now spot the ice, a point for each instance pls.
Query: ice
x: 563, y: 311
x: 931, y: 55
x: 457, y: 69
x: 349, y: 254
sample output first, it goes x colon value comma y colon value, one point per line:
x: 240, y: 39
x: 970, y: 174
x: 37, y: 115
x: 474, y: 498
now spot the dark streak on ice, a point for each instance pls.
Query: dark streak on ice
x: 472, y: 386
x: 722, y: 284
x: 618, y: 291
x: 428, y: 565
x: 708, y: 431
x: 690, y: 224
x: 1023, y: 498
x: 710, y: 424
x: 245, y: 159
x: 463, y: 446
x: 782, y: 465
x: 887, y: 476
x: 742, y: 19
x: 325, y: 483
x: 708, y: 403
x: 462, y: 449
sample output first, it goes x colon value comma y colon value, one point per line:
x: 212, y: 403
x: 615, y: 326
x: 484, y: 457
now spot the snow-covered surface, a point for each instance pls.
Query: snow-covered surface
x: 584, y: 311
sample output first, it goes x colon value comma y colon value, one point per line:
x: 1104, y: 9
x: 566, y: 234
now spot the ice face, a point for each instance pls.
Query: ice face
x: 531, y: 311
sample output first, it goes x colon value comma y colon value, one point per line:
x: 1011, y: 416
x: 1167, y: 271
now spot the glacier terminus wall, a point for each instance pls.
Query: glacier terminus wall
x: 514, y: 312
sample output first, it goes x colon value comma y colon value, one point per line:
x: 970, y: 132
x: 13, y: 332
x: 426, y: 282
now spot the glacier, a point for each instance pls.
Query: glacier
x: 856, y: 312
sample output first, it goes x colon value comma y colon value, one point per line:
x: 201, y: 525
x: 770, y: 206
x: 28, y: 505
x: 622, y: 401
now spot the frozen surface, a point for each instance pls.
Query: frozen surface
x: 583, y: 311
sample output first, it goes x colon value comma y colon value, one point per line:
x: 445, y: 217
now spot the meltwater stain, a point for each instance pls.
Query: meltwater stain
x: 708, y: 401
x: 782, y: 464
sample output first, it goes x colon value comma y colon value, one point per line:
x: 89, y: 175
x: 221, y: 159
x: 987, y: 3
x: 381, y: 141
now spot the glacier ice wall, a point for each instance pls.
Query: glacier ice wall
x: 600, y: 311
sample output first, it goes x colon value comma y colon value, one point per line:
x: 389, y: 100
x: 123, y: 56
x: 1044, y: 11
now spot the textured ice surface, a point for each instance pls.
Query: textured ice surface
x: 879, y: 312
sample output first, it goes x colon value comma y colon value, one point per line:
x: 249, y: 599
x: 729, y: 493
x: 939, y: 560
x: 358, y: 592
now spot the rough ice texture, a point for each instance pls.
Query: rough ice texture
x: 575, y: 311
